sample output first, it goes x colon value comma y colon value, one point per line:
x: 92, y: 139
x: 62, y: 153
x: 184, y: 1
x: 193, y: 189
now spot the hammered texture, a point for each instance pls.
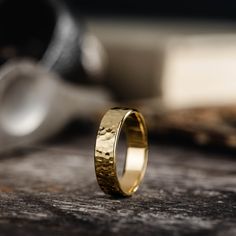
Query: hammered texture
x: 105, y: 151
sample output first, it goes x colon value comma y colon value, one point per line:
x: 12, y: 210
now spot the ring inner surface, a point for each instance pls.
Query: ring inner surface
x: 136, y: 157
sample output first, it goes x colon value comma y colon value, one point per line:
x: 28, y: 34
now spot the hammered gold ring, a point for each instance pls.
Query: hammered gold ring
x: 133, y: 125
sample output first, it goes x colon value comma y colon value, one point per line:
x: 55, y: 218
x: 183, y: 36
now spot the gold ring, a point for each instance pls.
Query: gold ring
x: 133, y: 124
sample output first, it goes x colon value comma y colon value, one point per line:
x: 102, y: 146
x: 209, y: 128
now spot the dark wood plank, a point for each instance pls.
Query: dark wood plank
x: 51, y: 189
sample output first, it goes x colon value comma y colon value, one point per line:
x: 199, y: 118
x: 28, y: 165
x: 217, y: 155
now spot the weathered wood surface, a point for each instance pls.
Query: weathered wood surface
x: 51, y: 189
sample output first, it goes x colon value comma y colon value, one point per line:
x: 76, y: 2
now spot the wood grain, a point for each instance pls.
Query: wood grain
x: 52, y: 189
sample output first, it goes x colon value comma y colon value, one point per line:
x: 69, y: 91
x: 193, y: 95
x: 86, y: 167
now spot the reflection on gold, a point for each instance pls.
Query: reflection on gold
x: 135, y: 159
x: 135, y: 163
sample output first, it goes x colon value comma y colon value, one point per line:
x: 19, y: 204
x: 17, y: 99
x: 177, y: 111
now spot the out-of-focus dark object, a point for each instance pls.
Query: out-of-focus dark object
x: 214, y: 126
x: 36, y: 103
x: 208, y: 9
x: 47, y: 31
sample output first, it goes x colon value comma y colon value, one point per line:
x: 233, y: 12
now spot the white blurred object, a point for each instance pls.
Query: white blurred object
x: 200, y: 71
x: 93, y: 57
x: 35, y: 103
x: 170, y: 65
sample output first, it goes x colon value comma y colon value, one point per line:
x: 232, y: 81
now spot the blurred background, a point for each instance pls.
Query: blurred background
x: 64, y: 63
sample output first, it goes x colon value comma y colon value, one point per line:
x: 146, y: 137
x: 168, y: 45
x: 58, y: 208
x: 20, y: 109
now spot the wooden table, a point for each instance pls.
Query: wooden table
x: 51, y: 189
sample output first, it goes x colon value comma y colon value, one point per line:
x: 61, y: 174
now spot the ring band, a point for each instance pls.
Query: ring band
x: 133, y: 124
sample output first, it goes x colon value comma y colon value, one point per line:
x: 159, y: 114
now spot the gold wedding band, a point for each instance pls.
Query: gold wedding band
x: 133, y: 124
